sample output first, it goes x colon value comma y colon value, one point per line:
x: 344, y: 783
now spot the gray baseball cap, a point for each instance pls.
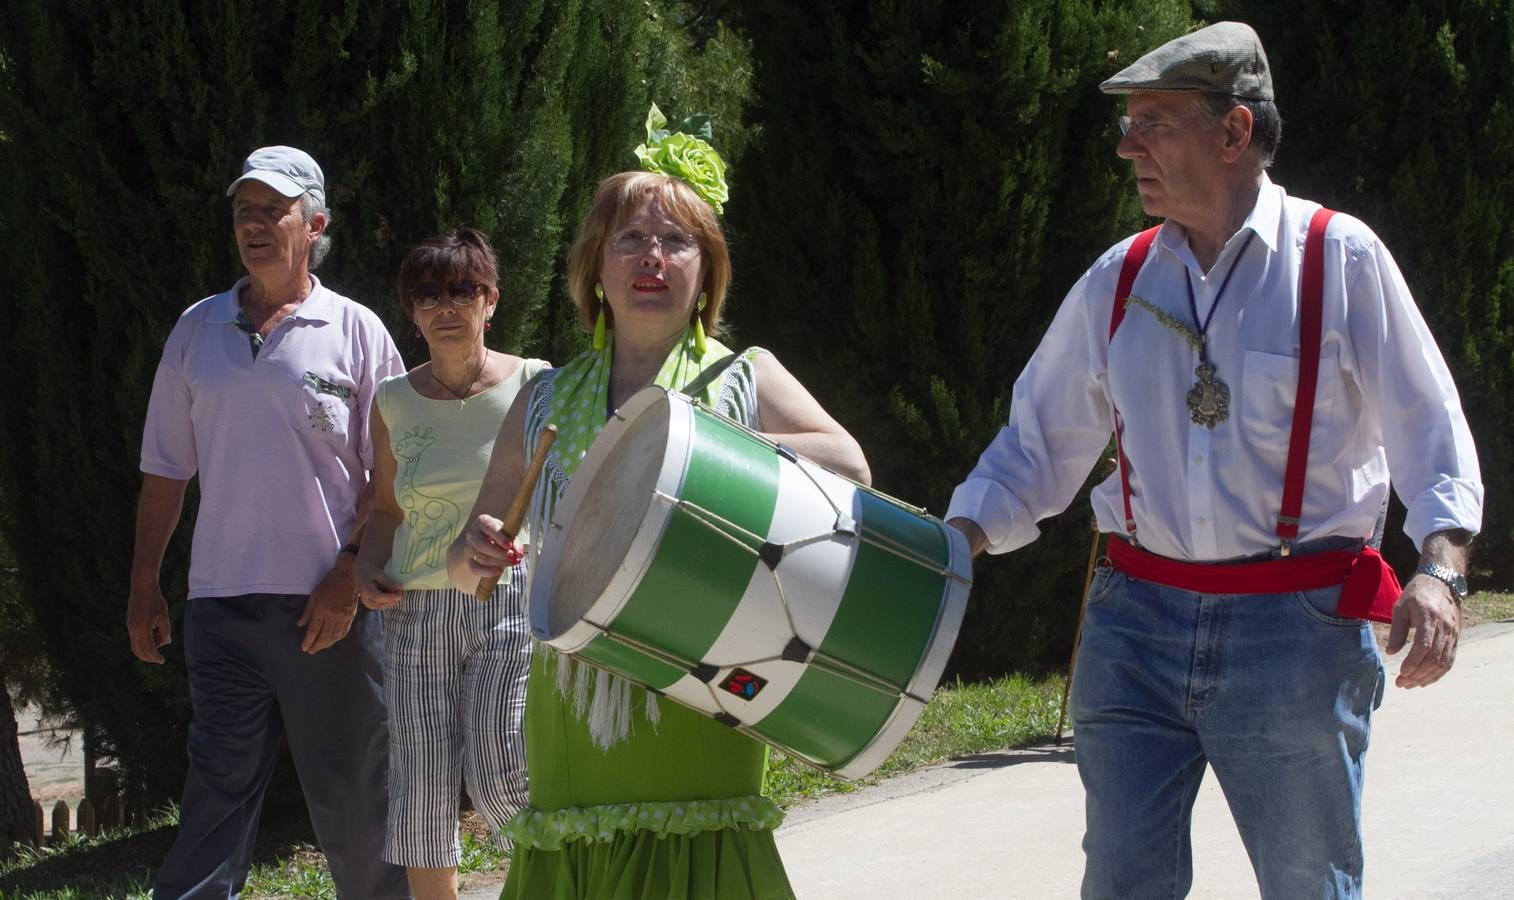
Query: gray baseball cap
x: 287, y: 170
x: 1226, y: 58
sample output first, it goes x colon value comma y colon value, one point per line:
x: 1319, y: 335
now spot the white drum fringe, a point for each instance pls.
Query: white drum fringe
x: 600, y: 698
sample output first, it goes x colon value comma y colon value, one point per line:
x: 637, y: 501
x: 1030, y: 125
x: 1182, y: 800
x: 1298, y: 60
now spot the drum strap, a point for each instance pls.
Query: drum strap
x: 712, y: 371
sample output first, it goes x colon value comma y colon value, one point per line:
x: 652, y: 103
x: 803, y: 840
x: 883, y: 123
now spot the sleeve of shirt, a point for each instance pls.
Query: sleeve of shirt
x: 1059, y: 424
x: 1431, y: 459
x: 168, y: 440
x: 383, y: 361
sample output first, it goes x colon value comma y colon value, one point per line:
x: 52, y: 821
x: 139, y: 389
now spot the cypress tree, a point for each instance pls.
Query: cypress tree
x: 20, y: 668
x: 1403, y: 115
x: 120, y: 127
x: 929, y: 181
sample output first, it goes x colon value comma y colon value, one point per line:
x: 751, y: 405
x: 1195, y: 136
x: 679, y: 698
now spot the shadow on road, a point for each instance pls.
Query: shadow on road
x: 1062, y: 754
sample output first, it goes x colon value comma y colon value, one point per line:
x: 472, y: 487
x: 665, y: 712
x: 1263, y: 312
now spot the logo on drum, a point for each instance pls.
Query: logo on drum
x: 744, y: 684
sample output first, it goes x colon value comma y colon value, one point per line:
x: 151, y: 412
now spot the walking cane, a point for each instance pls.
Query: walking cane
x: 1077, y: 637
x: 515, y: 516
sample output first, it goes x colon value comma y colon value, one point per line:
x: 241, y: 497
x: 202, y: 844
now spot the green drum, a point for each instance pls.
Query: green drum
x: 701, y: 560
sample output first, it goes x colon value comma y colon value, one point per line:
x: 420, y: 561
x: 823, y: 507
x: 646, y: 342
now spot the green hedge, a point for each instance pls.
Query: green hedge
x: 120, y: 127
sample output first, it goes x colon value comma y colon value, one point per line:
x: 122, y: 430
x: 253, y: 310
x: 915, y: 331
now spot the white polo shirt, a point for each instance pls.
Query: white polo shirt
x: 279, y: 441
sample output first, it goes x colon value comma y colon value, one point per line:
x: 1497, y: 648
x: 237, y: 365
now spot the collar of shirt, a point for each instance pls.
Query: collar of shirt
x: 318, y: 306
x: 1265, y: 220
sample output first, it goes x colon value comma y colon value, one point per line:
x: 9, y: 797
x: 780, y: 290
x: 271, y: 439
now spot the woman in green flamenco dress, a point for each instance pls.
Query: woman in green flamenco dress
x: 631, y: 795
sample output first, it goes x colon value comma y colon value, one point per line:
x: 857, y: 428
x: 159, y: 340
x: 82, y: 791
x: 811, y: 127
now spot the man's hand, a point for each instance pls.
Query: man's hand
x: 333, y: 603
x: 1426, y: 606
x: 1430, y: 609
x: 976, y: 539
x: 147, y: 623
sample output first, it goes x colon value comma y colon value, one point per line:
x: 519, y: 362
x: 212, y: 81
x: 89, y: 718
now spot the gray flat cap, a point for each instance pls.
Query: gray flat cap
x: 1226, y: 58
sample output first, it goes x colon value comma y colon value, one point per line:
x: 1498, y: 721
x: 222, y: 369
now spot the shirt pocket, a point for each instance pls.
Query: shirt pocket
x: 1269, y: 387
x: 325, y: 404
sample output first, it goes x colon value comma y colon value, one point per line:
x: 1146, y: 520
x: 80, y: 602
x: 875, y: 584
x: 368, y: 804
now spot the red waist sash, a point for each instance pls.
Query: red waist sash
x: 1370, y: 587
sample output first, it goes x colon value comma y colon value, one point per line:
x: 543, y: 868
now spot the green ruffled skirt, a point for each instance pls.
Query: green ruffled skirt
x: 671, y: 812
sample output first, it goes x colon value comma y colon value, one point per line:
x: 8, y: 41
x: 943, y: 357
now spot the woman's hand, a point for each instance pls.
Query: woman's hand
x: 482, y: 550
x: 376, y: 589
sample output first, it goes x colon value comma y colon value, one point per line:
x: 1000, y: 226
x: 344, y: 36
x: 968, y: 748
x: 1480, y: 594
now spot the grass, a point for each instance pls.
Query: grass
x: 1487, y: 606
x: 120, y: 861
x: 304, y: 875
x: 33, y: 872
x: 960, y: 720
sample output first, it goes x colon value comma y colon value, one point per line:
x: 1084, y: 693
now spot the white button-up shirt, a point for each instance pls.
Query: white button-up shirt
x: 1385, y: 402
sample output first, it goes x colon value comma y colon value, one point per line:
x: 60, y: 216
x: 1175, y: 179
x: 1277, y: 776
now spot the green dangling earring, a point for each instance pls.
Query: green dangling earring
x: 699, y: 326
x: 599, y: 322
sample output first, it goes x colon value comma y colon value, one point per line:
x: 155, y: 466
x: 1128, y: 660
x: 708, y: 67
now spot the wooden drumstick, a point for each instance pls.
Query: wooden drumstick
x: 1077, y: 636
x: 515, y: 516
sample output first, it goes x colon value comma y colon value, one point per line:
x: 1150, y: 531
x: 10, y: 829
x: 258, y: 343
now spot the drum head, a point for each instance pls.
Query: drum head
x: 606, y: 522
x: 594, y: 541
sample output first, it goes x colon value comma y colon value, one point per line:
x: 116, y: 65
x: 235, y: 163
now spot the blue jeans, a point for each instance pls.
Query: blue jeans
x: 1274, y: 692
x: 251, y: 685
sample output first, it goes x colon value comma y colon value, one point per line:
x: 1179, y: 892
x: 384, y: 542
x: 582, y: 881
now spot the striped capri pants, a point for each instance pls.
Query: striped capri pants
x: 455, y: 683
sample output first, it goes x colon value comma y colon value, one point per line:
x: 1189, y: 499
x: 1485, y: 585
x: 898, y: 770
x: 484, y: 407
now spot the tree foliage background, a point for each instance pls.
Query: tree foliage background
x: 930, y: 180
x: 915, y: 186
x: 120, y: 127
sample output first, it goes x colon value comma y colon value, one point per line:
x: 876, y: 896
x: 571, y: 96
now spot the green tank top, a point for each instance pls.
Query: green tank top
x: 441, y: 449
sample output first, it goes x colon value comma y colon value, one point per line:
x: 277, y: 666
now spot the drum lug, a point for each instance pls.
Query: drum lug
x: 704, y: 672
x: 787, y: 452
x: 846, y: 525
x: 798, y: 651
x: 727, y: 719
x: 771, y: 554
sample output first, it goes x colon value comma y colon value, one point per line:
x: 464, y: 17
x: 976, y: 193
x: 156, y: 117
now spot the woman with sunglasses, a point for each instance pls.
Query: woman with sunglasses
x: 454, y: 669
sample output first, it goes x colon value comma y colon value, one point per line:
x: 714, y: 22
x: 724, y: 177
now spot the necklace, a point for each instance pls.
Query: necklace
x: 1209, y: 399
x: 462, y: 396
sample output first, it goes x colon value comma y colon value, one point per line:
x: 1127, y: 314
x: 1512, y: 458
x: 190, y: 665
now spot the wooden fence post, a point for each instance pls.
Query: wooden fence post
x: 37, y: 825
x: 87, y: 825
x: 62, y: 817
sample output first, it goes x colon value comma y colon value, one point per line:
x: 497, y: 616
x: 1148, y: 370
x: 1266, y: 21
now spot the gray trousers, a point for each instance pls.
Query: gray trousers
x: 251, y: 685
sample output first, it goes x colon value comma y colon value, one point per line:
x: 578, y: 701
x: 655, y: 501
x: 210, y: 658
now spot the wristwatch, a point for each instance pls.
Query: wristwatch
x: 1454, y: 580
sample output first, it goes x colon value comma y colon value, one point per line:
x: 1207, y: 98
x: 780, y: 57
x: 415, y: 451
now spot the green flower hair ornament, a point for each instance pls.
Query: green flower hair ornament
x: 685, y: 153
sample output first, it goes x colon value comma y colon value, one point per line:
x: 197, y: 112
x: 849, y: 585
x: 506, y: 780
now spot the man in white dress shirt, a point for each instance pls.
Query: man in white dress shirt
x: 1229, y: 629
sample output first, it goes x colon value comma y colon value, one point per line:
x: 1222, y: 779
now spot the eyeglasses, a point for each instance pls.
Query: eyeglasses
x: 429, y: 296
x: 673, y: 243
x: 1145, y: 127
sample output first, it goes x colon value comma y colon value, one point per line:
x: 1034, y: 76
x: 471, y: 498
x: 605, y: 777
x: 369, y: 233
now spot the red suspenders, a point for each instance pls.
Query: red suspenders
x: 1369, y: 586
x: 1311, y: 307
x: 1311, y: 314
x: 1135, y: 257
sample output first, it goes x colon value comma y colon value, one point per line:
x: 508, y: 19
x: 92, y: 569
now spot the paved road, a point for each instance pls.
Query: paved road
x: 1438, y: 811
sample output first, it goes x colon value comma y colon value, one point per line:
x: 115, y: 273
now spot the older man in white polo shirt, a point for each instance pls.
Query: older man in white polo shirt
x: 263, y: 393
